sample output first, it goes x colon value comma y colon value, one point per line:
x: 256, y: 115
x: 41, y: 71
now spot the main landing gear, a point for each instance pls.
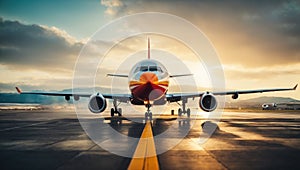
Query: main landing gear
x: 115, y: 110
x: 148, y: 114
x: 183, y: 110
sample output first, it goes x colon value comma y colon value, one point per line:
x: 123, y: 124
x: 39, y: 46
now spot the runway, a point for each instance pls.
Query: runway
x: 245, y: 140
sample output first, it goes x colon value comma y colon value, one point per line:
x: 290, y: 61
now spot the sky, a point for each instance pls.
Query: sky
x: 257, y: 41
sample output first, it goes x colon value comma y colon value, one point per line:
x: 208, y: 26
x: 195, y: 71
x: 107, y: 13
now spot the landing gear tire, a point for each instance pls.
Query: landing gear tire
x: 179, y: 112
x: 188, y: 112
x: 120, y: 112
x: 112, y: 112
x: 148, y: 116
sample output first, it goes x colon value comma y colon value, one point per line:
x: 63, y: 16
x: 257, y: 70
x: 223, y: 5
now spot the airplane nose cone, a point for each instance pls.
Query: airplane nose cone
x: 148, y: 77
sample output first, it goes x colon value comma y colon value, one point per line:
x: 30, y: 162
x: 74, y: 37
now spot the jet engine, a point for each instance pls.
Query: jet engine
x: 97, y: 103
x: 208, y: 102
x: 235, y: 96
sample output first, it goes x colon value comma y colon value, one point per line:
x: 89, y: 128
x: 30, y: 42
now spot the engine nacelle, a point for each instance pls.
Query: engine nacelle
x: 76, y: 97
x: 235, y: 96
x: 208, y: 102
x: 97, y: 103
x: 67, y: 98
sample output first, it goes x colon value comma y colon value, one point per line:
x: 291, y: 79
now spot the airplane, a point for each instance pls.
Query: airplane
x: 148, y: 83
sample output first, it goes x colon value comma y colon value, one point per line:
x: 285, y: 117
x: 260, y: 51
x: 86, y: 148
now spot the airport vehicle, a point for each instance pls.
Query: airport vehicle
x: 281, y: 106
x: 148, y: 83
x: 269, y: 106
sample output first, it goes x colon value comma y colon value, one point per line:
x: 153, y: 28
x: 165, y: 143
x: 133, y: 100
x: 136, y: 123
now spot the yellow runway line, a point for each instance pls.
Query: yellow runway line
x: 145, y: 153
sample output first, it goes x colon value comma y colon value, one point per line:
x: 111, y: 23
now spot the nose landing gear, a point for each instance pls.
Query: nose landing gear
x: 148, y: 113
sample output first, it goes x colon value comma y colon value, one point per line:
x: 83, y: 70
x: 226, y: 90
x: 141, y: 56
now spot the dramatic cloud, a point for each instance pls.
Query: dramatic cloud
x: 252, y: 33
x: 257, y: 41
x: 36, y: 47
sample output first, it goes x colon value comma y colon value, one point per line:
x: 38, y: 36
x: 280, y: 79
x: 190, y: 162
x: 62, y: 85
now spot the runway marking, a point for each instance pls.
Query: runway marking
x: 17, y: 127
x: 244, y: 135
x: 145, y: 154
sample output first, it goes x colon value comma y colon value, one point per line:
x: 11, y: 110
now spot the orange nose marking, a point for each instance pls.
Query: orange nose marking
x: 148, y: 77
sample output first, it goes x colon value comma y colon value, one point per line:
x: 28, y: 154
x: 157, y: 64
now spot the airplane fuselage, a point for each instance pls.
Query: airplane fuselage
x: 148, y: 82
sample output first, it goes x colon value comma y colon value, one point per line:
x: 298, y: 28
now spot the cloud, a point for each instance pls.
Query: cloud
x: 112, y: 6
x: 252, y: 33
x: 288, y: 15
x: 40, y: 84
x: 36, y: 47
x: 234, y: 72
x: 42, y: 57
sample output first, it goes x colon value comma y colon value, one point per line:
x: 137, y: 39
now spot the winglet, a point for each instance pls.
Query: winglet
x: 19, y: 90
x: 295, y: 87
x: 148, y: 48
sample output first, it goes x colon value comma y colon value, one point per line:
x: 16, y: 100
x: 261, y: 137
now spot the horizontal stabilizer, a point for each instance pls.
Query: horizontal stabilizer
x: 180, y: 75
x: 117, y: 75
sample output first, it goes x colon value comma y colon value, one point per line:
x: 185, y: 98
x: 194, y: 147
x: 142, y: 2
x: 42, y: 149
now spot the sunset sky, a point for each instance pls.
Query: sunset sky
x: 258, y: 42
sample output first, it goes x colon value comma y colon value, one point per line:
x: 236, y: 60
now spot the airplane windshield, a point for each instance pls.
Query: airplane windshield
x: 144, y: 68
x: 152, y: 68
x: 159, y: 69
x: 137, y: 69
x: 148, y: 68
x: 148, y: 65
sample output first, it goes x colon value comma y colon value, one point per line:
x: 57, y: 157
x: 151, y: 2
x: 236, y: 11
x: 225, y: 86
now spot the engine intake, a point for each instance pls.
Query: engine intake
x: 97, y: 103
x: 208, y: 102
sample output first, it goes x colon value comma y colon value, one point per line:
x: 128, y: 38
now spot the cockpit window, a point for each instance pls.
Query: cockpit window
x: 152, y: 68
x: 144, y: 68
x: 137, y: 69
x: 159, y: 69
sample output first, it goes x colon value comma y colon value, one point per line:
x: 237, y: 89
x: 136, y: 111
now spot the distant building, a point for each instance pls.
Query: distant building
x: 281, y: 106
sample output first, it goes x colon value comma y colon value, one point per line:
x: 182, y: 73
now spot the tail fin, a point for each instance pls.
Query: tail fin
x: 148, y: 48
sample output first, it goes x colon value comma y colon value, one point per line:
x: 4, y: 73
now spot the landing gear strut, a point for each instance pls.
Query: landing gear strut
x: 115, y: 110
x: 148, y: 113
x: 183, y: 110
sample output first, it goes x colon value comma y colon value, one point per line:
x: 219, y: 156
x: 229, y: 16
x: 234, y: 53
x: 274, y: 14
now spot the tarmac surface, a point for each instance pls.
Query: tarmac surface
x: 244, y: 140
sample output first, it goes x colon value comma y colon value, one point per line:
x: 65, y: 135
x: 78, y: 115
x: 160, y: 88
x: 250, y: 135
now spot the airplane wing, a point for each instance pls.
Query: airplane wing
x: 120, y: 97
x: 175, y: 97
x: 180, y: 96
x: 254, y: 91
x: 53, y: 93
x: 125, y: 76
x: 171, y: 76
